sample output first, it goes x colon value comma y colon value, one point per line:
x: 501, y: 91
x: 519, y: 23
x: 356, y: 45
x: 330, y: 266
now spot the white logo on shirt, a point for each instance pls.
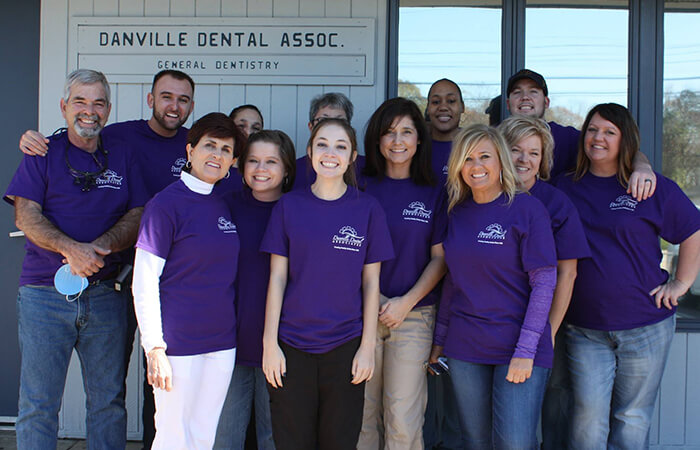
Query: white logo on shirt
x: 416, y: 211
x: 109, y: 179
x: 226, y: 226
x: 494, y: 234
x: 348, y: 239
x: 624, y: 202
x: 444, y: 169
x: 177, y: 166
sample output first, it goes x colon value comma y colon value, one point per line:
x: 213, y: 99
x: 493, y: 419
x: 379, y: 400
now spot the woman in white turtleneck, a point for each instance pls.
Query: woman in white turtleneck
x: 186, y: 259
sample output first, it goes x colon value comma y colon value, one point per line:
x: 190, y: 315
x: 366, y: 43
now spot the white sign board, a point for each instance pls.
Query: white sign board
x: 226, y: 50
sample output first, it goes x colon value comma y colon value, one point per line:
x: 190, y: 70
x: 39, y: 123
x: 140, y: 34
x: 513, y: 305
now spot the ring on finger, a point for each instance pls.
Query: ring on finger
x: 649, y: 180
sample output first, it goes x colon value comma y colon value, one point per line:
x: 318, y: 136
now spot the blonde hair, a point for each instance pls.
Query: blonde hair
x: 517, y: 128
x: 463, y: 145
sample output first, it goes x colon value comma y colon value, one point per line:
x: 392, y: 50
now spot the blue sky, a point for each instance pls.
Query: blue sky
x: 581, y: 52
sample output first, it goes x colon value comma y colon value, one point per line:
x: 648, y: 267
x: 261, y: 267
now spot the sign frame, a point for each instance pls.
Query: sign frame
x: 217, y: 50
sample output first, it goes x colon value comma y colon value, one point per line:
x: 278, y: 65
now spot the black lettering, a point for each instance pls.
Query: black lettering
x: 170, y: 43
x: 330, y: 39
x: 263, y: 44
x: 183, y: 37
x: 251, y: 40
x: 309, y: 39
x: 297, y: 39
x: 285, y: 40
x: 141, y: 38
x: 160, y: 64
x: 276, y: 64
x: 212, y: 40
x: 104, y: 38
x: 217, y: 65
x: 158, y: 43
x: 321, y: 40
x: 128, y: 37
x: 202, y: 39
x: 115, y: 39
x: 225, y: 39
x: 268, y: 64
x: 239, y: 35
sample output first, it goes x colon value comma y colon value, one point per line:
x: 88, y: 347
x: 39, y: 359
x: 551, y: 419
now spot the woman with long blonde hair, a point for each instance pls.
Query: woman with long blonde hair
x: 494, y: 331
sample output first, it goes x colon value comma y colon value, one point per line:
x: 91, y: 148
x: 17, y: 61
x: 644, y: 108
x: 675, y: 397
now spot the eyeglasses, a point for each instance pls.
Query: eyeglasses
x: 320, y: 118
x: 86, y: 180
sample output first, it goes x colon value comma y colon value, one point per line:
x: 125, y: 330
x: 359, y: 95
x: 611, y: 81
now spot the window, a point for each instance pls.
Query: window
x: 581, y: 48
x: 681, y: 119
x: 461, y: 43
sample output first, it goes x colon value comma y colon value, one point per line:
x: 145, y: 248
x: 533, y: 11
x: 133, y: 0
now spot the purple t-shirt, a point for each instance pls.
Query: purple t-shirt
x: 195, y: 235
x: 305, y: 175
x: 565, y: 148
x: 82, y: 216
x: 489, y: 250
x: 612, y: 288
x: 569, y: 237
x: 251, y: 217
x: 417, y: 220
x: 440, y: 155
x: 226, y: 187
x: 161, y: 158
x: 327, y: 243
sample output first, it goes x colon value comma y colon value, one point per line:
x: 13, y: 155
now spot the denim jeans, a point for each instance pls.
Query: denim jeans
x: 615, y: 377
x: 557, y: 397
x: 49, y: 329
x: 441, y: 429
x: 248, y: 388
x: 493, y: 412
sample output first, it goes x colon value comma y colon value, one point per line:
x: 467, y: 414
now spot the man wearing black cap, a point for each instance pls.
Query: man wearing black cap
x: 528, y: 96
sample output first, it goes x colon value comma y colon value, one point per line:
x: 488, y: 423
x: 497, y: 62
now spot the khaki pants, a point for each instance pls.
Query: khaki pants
x: 396, y: 396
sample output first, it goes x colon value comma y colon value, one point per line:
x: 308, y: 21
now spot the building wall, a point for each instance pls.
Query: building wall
x: 19, y: 23
x: 675, y: 424
x: 284, y: 107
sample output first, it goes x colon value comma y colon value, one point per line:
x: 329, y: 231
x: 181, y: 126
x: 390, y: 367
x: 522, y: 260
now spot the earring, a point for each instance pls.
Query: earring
x: 500, y: 176
x: 228, y: 174
x: 286, y: 180
x: 188, y: 165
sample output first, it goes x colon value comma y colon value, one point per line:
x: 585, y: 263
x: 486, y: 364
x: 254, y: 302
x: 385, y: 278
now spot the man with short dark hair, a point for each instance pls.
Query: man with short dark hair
x: 80, y: 205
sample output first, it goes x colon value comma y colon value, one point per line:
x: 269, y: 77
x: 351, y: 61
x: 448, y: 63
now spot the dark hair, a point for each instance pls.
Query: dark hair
x: 238, y: 109
x: 332, y: 99
x: 449, y: 81
x: 349, y: 176
x: 177, y: 74
x: 629, y: 140
x: 284, y: 146
x: 217, y: 125
x: 379, y: 125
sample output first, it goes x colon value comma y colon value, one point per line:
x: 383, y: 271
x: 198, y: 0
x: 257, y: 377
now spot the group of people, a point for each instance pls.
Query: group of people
x: 319, y: 293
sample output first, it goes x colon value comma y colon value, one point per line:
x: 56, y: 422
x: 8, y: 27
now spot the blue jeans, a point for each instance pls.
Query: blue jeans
x: 615, y: 376
x: 248, y: 387
x: 441, y: 429
x: 557, y: 397
x: 493, y: 412
x: 49, y: 329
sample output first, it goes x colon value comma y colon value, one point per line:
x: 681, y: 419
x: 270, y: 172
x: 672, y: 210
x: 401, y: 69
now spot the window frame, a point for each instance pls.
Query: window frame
x: 645, y: 52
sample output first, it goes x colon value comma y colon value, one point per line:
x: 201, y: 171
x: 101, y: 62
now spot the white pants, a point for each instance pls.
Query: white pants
x: 187, y: 416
